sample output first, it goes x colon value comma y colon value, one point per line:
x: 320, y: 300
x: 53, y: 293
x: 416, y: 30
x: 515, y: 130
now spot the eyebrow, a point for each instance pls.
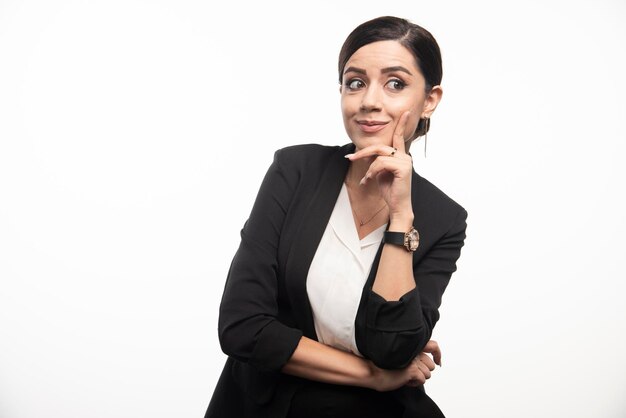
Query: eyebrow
x: 395, y: 69
x: 384, y: 70
x: 354, y: 70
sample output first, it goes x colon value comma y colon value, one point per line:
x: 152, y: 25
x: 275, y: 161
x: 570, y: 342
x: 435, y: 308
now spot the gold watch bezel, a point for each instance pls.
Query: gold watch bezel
x: 411, y: 240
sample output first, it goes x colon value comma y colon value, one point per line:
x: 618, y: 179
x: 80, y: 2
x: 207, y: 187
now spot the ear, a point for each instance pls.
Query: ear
x: 432, y: 100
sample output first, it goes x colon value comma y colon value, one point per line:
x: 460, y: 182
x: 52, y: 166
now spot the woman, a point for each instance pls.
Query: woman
x: 334, y: 291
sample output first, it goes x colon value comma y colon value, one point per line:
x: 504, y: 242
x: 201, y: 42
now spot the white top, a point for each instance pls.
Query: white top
x: 337, y: 275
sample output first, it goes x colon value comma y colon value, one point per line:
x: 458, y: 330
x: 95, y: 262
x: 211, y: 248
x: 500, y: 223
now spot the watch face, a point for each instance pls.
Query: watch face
x: 412, y: 239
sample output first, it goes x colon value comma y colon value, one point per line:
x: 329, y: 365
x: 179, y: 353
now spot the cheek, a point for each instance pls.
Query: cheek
x: 412, y: 124
x: 346, y: 113
x: 416, y: 108
x: 348, y: 104
x: 414, y: 118
x: 348, y: 108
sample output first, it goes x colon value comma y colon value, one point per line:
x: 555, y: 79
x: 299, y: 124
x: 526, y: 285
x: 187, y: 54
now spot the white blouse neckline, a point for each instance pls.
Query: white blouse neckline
x: 343, y: 224
x: 338, y: 273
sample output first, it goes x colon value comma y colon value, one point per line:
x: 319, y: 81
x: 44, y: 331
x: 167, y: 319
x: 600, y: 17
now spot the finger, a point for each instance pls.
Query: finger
x: 426, y: 360
x: 398, y: 133
x: 432, y: 347
x: 372, y: 151
x: 391, y: 165
x: 417, y: 379
x: 424, y: 370
x: 418, y: 371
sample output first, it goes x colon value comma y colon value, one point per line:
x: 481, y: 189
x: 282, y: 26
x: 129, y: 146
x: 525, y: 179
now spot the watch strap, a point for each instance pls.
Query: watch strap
x: 396, y: 238
x: 409, y: 240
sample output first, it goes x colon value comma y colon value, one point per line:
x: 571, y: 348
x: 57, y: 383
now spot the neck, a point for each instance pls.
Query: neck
x: 356, y: 172
x: 368, y: 207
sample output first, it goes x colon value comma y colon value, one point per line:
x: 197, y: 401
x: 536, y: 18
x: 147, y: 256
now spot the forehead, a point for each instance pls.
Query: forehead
x: 382, y: 54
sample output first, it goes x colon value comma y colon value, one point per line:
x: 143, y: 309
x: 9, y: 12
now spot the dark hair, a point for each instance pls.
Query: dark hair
x: 413, y: 37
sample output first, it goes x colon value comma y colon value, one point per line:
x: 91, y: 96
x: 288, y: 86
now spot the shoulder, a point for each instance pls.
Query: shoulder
x: 306, y: 152
x: 429, y: 199
x: 309, y: 156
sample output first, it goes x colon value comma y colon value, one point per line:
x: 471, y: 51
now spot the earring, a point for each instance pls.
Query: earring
x: 426, y: 126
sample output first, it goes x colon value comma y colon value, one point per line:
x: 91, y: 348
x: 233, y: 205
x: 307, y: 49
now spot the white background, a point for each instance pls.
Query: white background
x: 134, y: 136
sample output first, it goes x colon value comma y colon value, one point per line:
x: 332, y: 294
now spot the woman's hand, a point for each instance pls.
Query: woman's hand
x: 392, y: 168
x: 433, y: 348
x: 414, y: 374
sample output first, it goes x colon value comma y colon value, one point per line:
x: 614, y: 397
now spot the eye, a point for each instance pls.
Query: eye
x: 396, y: 84
x: 355, y: 84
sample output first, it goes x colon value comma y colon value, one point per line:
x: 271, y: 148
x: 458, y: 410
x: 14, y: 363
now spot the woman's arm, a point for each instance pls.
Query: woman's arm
x: 315, y: 361
x: 392, y: 171
x: 394, y: 277
x: 392, y: 333
x: 400, y: 309
x: 248, y: 326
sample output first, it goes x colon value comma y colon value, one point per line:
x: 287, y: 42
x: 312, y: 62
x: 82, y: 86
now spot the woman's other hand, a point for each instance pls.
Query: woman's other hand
x: 392, y: 168
x: 415, y: 374
x: 433, y: 348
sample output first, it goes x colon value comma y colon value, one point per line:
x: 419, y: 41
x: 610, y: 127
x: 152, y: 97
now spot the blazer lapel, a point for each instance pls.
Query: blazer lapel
x: 314, y: 221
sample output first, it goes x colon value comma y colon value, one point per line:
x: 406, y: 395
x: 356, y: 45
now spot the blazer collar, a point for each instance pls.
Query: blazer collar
x: 310, y: 231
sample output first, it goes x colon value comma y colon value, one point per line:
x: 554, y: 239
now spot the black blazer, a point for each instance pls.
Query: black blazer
x: 265, y: 309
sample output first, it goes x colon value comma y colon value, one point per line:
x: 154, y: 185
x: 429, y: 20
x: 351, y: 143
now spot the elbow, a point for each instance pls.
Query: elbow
x: 232, y: 343
x: 392, y: 334
x: 266, y: 344
x: 396, y: 350
x: 236, y: 337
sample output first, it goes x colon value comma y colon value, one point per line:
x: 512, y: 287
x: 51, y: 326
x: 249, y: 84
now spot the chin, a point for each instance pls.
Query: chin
x: 362, y: 141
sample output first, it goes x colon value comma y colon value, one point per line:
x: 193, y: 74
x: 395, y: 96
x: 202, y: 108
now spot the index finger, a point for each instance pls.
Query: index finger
x: 433, y: 348
x: 398, y: 132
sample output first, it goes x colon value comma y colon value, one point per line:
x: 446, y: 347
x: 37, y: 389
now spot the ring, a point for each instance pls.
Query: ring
x: 392, y: 153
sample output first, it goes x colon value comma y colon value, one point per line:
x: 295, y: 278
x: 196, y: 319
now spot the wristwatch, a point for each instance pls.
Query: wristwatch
x: 409, y: 240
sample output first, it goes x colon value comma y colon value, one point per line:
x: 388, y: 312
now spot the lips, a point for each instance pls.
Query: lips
x: 371, y: 126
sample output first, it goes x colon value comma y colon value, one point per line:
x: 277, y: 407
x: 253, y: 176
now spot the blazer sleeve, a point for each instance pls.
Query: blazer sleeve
x: 393, y: 333
x: 248, y: 327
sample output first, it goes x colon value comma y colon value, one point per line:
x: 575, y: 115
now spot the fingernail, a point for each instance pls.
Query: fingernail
x: 348, y: 155
x: 363, y: 180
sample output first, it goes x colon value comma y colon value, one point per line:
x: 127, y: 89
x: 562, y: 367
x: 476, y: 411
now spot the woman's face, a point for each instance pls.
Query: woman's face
x: 381, y: 81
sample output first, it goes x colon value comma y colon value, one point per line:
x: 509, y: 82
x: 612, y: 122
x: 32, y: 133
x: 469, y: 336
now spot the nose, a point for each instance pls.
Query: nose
x: 371, y: 101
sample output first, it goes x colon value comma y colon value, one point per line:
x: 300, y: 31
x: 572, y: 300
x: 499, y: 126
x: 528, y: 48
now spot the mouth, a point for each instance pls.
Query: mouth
x: 371, y: 126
